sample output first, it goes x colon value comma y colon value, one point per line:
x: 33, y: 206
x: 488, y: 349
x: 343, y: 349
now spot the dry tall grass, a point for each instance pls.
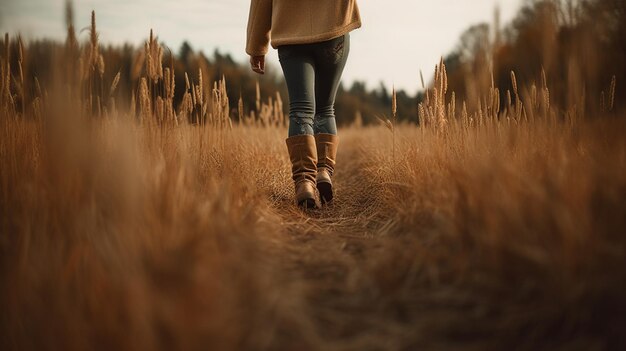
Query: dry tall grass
x: 170, y: 227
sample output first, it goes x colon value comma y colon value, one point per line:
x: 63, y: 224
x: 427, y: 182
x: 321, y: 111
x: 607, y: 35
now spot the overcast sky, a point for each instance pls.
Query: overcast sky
x: 398, y: 37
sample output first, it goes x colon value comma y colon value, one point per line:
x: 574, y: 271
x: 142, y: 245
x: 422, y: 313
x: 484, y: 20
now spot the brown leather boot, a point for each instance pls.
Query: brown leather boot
x: 303, y: 155
x: 326, y: 156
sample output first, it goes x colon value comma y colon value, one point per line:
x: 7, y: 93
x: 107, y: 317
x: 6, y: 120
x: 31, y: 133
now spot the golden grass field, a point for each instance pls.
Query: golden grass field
x: 493, y: 228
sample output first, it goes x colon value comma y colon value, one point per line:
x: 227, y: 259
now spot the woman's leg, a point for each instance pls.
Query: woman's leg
x: 299, y: 70
x: 331, y: 58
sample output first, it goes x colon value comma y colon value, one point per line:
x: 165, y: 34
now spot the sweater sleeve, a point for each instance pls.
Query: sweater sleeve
x: 259, y: 27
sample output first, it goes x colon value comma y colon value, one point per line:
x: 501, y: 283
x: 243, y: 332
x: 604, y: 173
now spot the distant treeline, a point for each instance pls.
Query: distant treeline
x: 578, y: 44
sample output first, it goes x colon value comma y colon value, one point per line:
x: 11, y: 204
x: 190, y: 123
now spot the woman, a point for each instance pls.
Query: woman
x: 312, y: 38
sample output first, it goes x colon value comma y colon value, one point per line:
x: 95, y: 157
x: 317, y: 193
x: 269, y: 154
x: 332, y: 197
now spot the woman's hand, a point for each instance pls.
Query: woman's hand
x: 258, y: 64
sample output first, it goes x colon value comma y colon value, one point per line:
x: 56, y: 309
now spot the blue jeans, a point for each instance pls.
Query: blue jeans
x: 313, y: 72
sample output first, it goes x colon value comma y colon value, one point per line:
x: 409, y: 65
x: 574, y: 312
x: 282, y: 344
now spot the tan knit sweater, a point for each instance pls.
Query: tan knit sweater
x: 298, y: 22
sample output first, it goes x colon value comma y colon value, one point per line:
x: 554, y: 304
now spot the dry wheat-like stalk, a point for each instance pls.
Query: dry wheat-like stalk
x: 92, y: 67
x: 394, y: 116
x: 94, y: 45
x: 186, y: 106
x: 200, y: 87
x: 444, y: 74
x: 94, y: 60
x: 496, y: 102
x: 115, y: 83
x: 6, y: 75
x: 148, y: 59
x: 519, y: 108
x: 440, y: 101
x: 100, y: 65
x: 394, y: 103
x: 172, y: 84
x: 386, y: 122
x: 72, y: 54
x: 545, y: 93
x: 421, y: 114
x: 465, y: 115
x: 167, y: 82
x: 71, y: 40
x: 514, y: 82
x: 199, y: 99
x: 187, y: 84
x: 258, y: 96
x: 145, y: 106
x: 278, y: 111
x: 38, y: 90
x: 240, y: 112
x: 612, y: 93
x: 509, y: 100
x: 159, y: 109
x: 20, y: 84
x: 113, y: 88
x: 452, y: 107
x: 533, y: 96
x: 154, y: 58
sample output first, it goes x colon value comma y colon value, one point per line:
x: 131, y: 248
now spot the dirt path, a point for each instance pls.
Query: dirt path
x: 353, y: 212
x: 334, y: 253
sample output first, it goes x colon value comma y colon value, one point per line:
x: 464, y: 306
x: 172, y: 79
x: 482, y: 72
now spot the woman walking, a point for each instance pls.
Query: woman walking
x: 312, y: 39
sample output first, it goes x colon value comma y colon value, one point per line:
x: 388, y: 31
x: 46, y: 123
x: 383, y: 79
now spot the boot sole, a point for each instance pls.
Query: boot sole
x: 307, y: 204
x: 326, y: 192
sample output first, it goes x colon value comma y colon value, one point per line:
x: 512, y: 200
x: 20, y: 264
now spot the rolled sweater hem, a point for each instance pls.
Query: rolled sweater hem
x: 316, y: 38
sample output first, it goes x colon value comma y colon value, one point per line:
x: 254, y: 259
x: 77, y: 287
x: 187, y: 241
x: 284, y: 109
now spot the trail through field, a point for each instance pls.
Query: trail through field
x: 334, y: 254
x: 355, y: 212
